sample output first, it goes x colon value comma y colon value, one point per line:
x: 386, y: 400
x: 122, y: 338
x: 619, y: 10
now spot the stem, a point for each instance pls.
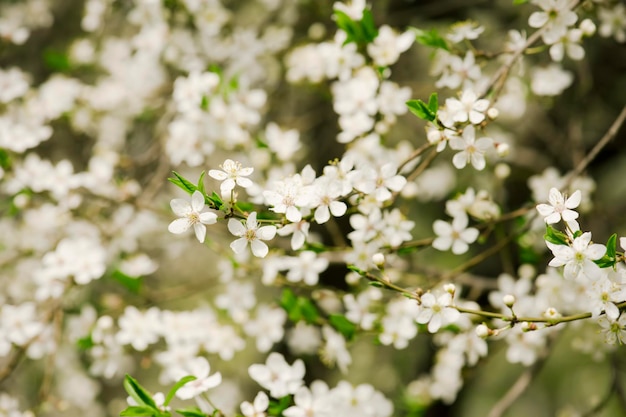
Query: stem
x: 414, y: 155
x: 608, y: 136
x: 508, y: 318
x: 518, y: 387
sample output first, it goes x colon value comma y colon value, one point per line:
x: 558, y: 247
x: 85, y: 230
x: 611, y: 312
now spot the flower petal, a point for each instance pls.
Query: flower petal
x: 197, y: 201
x: 179, y: 226
x: 259, y: 249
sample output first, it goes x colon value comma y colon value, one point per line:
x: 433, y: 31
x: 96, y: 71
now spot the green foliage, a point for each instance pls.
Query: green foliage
x: 554, y: 236
x: 132, y: 284
x: 182, y: 182
x: 191, y: 412
x: 85, y: 343
x: 277, y: 407
x: 516, y: 2
x: 343, y: 325
x: 362, y: 32
x: 5, y: 159
x: 56, y: 61
x: 425, y: 111
x: 610, y: 257
x: 139, y: 410
x: 214, y: 200
x: 138, y: 393
x: 176, y: 387
x: 298, y: 308
x: 430, y: 38
x: 315, y: 247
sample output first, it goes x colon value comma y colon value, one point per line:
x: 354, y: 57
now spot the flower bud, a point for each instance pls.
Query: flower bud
x: 483, y: 331
x: 502, y: 171
x: 551, y: 313
x: 587, y: 27
x: 503, y: 149
x: 493, y: 113
x: 378, y: 259
x: 449, y: 288
x: 508, y: 300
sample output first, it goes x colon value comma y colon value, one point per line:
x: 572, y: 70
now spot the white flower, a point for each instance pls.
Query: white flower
x: 278, y: 376
x: 268, y: 327
x: 569, y: 44
x: 191, y: 215
x: 436, y: 311
x: 232, y: 174
x: 381, y: 183
x: 469, y: 107
x: 283, y: 143
x: 306, y: 268
x: 578, y: 259
x: 465, y: 30
x: 200, y: 368
x: 472, y: 150
x: 387, y: 47
x: 613, y: 22
x: 559, y: 208
x: 455, y: 235
x: 258, y: 408
x: 614, y: 330
x: 139, y: 329
x: 327, y: 191
x: 354, y: 10
x: 287, y: 195
x: 19, y: 324
x: 556, y: 15
x: 250, y: 233
x: 311, y: 403
x: 334, y: 350
x: 550, y: 81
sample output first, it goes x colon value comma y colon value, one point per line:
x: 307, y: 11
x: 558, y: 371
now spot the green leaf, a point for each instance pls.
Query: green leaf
x: 5, y: 160
x: 138, y: 393
x: 85, y: 343
x: 139, y: 410
x: 421, y: 110
x: 610, y: 257
x: 200, y: 186
x: 182, y: 182
x: 315, y: 247
x: 554, y: 236
x: 298, y: 308
x: 343, y: 325
x: 433, y: 103
x: 191, y: 412
x: 430, y: 38
x: 288, y: 300
x: 376, y: 284
x: 520, y: 1
x: 308, y: 310
x: 370, y: 31
x: 277, y: 407
x: 611, y: 246
x: 132, y: 284
x: 56, y: 60
x: 345, y: 23
x: 354, y: 268
x: 214, y: 200
x: 176, y: 387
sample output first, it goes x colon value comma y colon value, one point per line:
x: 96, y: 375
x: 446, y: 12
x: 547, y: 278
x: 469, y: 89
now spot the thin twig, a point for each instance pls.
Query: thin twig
x: 519, y: 387
x: 608, y: 136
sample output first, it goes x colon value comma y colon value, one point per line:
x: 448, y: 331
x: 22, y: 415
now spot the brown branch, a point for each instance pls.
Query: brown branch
x: 608, y: 136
